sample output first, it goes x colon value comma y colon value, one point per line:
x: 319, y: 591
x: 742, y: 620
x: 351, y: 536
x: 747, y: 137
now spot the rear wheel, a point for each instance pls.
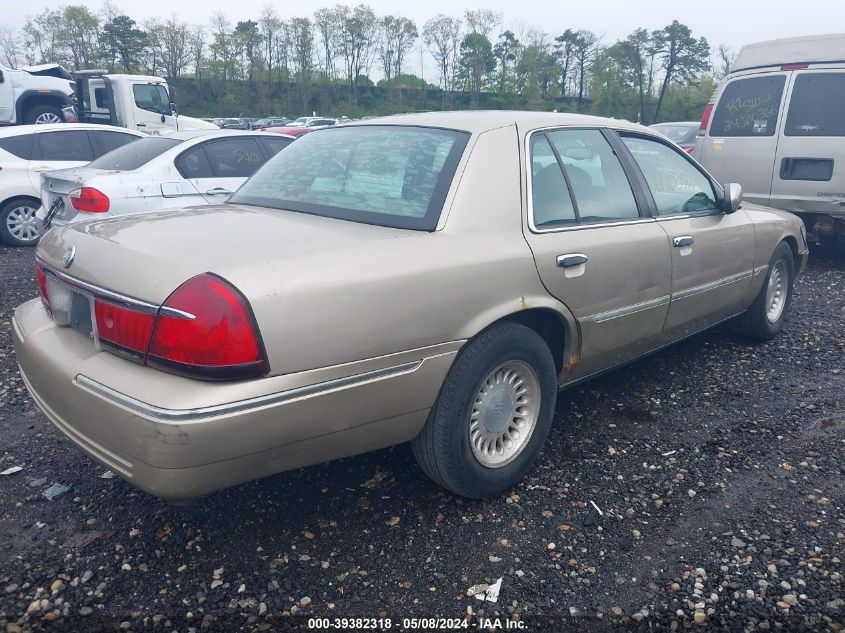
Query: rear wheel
x: 764, y: 319
x: 44, y: 114
x: 493, y: 413
x: 18, y: 224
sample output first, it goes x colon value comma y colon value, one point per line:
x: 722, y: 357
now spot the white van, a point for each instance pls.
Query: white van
x: 776, y: 125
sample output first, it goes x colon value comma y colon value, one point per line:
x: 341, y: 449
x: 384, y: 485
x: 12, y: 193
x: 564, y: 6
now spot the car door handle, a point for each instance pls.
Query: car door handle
x: 571, y: 259
x: 683, y: 240
x: 218, y: 191
x: 40, y: 168
x: 140, y: 125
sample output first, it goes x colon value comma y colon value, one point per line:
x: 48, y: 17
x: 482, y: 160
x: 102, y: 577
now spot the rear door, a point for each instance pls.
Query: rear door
x: 742, y: 139
x: 595, y: 251
x: 217, y: 168
x: 809, y: 172
x: 712, y: 252
x: 59, y: 149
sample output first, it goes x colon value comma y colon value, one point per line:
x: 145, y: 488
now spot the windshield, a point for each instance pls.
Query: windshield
x: 378, y: 174
x: 134, y: 155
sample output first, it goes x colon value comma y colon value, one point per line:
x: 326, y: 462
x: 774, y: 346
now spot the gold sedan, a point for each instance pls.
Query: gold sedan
x: 430, y: 278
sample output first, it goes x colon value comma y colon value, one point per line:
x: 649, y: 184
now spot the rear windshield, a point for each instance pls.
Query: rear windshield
x: 749, y: 107
x: 388, y: 175
x: 134, y: 155
x: 815, y: 108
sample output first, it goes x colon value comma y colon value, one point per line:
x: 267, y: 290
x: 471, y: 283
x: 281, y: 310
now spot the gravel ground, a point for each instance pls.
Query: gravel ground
x: 701, y: 488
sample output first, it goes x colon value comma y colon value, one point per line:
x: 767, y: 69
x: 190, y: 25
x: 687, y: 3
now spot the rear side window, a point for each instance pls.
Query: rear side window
x: 136, y: 154
x: 234, y: 158
x: 749, y: 107
x: 194, y: 164
x: 72, y: 145
x: 816, y: 106
x: 19, y: 145
x: 106, y: 140
x: 275, y: 145
x: 595, y: 176
x: 550, y: 197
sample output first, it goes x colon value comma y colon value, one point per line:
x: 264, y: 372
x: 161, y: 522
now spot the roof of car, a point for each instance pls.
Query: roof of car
x: 185, y: 135
x: 14, y: 130
x: 478, y: 121
x: 791, y: 50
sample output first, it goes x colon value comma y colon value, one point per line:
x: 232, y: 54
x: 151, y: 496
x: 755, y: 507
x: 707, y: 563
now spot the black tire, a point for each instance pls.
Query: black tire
x: 6, y: 236
x: 443, y: 449
x: 41, y: 111
x: 756, y: 322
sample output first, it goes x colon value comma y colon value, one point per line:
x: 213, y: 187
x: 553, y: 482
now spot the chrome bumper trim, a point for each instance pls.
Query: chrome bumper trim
x: 239, y: 406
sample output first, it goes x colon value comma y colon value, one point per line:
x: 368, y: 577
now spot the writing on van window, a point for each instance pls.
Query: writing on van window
x: 246, y: 157
x: 749, y: 107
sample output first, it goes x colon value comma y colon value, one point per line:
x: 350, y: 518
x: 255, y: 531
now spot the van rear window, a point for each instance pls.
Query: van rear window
x: 749, y: 107
x: 815, y: 108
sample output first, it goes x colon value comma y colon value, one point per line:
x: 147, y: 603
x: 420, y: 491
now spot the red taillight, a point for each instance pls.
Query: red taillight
x: 221, y: 341
x: 795, y: 67
x: 89, y: 200
x: 705, y: 118
x: 688, y: 149
x: 129, y: 330
x: 42, y: 284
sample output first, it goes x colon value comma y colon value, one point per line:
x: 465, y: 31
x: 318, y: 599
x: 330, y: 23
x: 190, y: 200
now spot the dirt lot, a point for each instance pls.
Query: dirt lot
x: 700, y: 488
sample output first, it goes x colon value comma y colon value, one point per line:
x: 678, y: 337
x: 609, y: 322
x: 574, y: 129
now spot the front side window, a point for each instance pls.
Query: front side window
x: 388, y: 175
x: 72, y: 145
x: 595, y: 176
x: 816, y: 105
x: 675, y: 184
x: 152, y: 97
x: 749, y: 107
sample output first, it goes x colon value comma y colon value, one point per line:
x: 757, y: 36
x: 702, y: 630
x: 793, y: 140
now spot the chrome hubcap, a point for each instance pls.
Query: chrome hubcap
x: 504, y: 414
x: 47, y: 117
x: 21, y: 223
x: 776, y: 291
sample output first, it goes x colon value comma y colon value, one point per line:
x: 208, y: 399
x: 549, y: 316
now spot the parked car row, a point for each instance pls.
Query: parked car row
x: 431, y: 278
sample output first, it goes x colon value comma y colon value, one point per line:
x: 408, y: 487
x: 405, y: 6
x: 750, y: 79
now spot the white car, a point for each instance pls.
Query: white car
x: 181, y: 169
x: 313, y: 121
x: 28, y: 150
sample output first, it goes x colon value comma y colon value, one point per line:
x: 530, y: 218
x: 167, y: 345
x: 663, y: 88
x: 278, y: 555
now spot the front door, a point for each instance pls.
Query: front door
x: 594, y: 251
x: 712, y: 263
x: 151, y: 107
x: 7, y: 96
x: 809, y: 174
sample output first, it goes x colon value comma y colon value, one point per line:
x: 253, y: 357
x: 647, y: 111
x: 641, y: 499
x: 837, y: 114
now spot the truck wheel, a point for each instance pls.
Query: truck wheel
x: 493, y: 413
x: 44, y: 114
x: 18, y: 224
x: 764, y: 319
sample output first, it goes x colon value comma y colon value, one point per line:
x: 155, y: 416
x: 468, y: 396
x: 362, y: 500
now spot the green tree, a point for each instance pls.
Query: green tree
x: 632, y: 57
x: 397, y: 38
x: 302, y: 53
x: 122, y: 42
x: 505, y: 52
x: 80, y: 35
x: 476, y: 63
x: 442, y: 36
x: 682, y: 57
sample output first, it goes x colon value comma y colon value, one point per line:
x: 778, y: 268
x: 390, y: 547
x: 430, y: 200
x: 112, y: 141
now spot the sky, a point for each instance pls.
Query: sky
x: 729, y: 22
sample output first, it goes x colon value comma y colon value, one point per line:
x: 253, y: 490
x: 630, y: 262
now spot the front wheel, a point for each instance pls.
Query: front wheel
x: 44, y: 114
x: 493, y: 413
x: 18, y: 223
x: 765, y: 318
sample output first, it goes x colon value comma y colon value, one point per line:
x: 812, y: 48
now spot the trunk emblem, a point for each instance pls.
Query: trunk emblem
x: 67, y: 258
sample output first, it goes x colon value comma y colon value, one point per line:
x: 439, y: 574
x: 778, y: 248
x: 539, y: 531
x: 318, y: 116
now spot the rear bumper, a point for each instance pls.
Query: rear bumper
x: 179, y: 438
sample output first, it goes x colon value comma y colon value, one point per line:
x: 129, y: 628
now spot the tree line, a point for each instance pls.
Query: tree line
x: 328, y: 61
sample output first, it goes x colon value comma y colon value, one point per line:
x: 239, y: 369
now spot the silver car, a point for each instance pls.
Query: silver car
x: 430, y: 278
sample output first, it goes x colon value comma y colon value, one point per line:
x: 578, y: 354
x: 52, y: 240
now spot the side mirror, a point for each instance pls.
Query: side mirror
x: 173, y: 107
x: 733, y: 197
